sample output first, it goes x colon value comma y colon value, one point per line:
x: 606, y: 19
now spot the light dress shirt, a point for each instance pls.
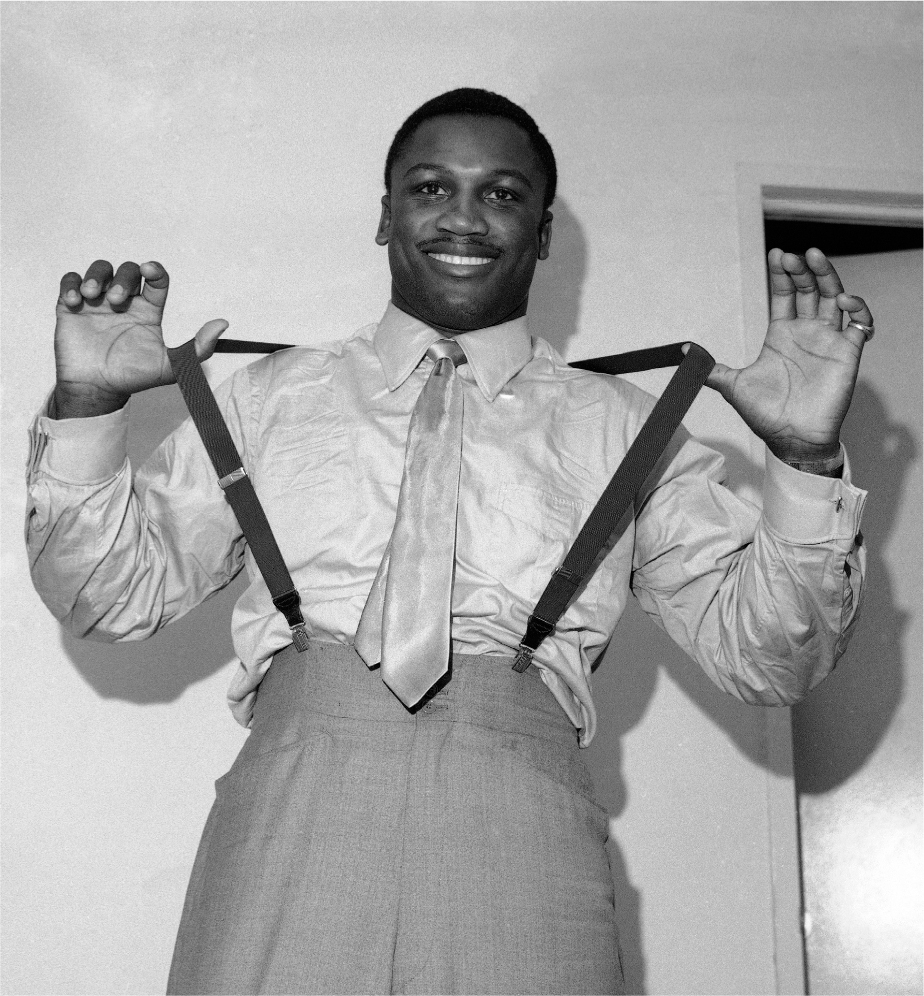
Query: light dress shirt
x: 764, y: 601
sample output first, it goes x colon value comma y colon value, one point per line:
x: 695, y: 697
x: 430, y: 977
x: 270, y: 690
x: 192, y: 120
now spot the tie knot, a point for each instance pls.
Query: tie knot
x: 447, y: 349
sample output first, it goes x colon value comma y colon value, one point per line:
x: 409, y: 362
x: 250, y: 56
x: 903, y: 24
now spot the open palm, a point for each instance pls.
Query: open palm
x: 796, y: 393
x: 109, y: 341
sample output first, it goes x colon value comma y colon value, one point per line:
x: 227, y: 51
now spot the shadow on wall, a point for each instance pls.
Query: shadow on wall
x: 851, y: 711
x: 192, y: 649
x: 555, y: 298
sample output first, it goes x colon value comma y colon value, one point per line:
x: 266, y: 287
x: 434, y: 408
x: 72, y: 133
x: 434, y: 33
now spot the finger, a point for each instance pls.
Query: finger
x: 782, y: 289
x: 125, y: 284
x: 829, y: 285
x: 806, y: 285
x: 96, y: 279
x: 156, y: 284
x: 857, y: 311
x: 207, y: 337
x: 70, y: 290
x: 722, y: 379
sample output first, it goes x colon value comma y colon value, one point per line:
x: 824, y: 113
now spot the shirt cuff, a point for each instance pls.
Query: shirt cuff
x: 79, y: 450
x: 808, y: 508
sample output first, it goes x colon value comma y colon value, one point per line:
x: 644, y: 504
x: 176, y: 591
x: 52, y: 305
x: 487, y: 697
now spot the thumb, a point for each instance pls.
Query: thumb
x: 207, y: 337
x: 722, y: 379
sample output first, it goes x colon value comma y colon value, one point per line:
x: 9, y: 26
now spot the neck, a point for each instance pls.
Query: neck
x: 399, y: 302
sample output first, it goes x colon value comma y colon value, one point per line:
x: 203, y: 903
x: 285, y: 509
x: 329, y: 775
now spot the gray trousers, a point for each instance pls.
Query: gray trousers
x: 355, y: 847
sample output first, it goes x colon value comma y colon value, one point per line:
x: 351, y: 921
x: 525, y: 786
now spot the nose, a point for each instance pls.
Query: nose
x: 463, y: 215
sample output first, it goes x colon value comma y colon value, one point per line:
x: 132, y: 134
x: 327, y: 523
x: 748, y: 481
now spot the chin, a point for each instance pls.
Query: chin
x: 460, y: 309
x: 460, y: 320
x: 468, y: 315
x: 461, y: 316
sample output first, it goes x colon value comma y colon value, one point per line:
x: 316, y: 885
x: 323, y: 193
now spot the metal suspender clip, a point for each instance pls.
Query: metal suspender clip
x: 289, y: 604
x: 523, y: 658
x: 537, y: 630
x: 300, y: 637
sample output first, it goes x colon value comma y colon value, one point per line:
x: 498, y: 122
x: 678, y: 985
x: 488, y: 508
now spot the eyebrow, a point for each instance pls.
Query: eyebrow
x: 436, y: 168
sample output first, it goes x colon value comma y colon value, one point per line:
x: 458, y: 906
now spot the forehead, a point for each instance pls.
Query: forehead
x: 470, y: 143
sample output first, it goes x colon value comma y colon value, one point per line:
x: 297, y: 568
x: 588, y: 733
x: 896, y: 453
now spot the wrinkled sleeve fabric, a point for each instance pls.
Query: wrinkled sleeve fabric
x: 115, y: 555
x: 764, y: 600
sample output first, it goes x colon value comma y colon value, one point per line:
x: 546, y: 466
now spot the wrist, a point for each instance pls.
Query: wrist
x: 792, y: 450
x: 829, y: 466
x: 84, y: 402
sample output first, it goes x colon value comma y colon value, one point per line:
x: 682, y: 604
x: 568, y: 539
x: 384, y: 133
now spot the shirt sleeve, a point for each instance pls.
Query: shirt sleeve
x: 116, y: 555
x: 765, y: 601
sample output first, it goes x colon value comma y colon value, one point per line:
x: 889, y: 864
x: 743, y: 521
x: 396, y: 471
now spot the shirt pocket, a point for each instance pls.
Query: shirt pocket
x: 306, y: 470
x: 307, y: 455
x: 534, y: 530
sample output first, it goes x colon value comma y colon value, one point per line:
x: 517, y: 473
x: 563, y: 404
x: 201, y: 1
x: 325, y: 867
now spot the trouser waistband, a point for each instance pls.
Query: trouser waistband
x: 331, y: 679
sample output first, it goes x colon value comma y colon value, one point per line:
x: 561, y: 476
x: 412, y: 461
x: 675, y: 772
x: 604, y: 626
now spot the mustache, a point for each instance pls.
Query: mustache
x: 467, y: 242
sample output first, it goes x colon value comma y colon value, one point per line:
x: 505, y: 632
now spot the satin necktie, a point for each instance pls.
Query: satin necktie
x: 405, y: 624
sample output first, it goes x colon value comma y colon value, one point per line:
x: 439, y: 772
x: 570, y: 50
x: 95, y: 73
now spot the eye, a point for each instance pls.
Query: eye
x: 502, y: 194
x: 431, y: 188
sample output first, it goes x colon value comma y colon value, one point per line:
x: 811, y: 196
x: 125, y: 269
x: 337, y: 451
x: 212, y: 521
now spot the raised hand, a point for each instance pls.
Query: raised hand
x: 108, y: 338
x: 796, y: 393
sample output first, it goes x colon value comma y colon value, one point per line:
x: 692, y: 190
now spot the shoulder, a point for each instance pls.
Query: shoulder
x: 293, y: 384
x: 310, y: 361
x: 614, y: 396
x: 301, y: 366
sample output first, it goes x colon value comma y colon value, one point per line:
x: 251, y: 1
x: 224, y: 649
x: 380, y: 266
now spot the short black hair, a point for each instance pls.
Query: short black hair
x: 480, y: 103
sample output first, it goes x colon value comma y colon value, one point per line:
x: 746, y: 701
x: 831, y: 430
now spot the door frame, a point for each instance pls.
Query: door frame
x: 799, y: 193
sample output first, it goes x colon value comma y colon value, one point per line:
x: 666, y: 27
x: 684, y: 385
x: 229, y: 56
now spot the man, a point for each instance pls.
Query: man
x: 413, y: 829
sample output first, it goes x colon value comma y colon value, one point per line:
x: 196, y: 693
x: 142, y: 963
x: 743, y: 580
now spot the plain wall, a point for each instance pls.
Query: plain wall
x: 242, y: 145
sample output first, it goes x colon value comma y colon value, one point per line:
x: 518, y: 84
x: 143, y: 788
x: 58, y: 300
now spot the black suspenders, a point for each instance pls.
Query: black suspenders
x: 692, y: 370
x: 238, y: 487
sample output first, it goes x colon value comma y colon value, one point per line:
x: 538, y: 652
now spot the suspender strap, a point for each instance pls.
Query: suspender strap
x: 637, y: 360
x: 667, y: 414
x: 249, y: 346
x: 625, y: 484
x: 620, y: 363
x: 237, y: 486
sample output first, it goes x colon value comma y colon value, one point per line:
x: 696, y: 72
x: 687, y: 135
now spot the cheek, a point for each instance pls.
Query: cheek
x: 526, y: 253
x: 402, y: 249
x: 522, y: 240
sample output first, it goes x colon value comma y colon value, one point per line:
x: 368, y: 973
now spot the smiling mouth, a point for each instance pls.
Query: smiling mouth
x: 460, y: 260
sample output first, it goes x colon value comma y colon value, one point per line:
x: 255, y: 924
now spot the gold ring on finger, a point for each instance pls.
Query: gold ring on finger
x: 868, y: 330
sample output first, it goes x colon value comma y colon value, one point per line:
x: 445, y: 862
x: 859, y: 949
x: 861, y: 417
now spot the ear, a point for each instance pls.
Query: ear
x: 545, y: 234
x: 384, y: 232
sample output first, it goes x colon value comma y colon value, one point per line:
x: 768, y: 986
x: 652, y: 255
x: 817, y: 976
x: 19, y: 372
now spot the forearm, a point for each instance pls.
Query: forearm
x: 91, y: 561
x: 780, y: 621
x: 765, y: 603
x: 115, y: 558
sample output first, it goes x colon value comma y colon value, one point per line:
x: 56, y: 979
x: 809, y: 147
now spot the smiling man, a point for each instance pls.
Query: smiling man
x: 466, y: 218
x: 409, y: 814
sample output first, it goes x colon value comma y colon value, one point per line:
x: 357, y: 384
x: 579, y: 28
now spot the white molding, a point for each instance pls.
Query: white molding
x: 820, y: 194
x: 853, y: 207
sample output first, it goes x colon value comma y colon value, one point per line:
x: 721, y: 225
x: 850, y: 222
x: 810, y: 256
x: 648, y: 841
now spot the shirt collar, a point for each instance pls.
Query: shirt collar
x: 495, y: 354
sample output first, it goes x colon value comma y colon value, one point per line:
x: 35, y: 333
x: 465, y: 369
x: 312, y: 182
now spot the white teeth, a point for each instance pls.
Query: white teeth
x: 460, y: 260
